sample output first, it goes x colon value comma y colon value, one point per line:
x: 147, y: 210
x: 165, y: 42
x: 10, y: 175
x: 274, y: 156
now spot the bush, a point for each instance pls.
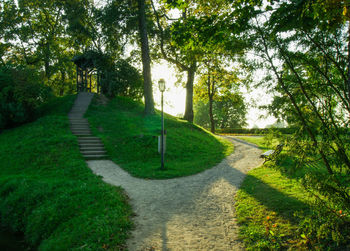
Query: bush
x: 122, y: 80
x: 259, y: 131
x: 21, y: 92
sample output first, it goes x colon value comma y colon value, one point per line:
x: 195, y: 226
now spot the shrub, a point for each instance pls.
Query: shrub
x: 262, y: 131
x: 122, y: 80
x: 21, y: 92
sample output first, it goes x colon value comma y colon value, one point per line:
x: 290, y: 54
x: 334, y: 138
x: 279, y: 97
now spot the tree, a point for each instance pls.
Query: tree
x: 228, y: 112
x: 185, y: 39
x: 146, y: 60
x: 217, y: 84
x: 304, y: 47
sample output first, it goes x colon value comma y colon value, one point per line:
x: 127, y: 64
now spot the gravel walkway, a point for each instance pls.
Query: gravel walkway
x: 190, y: 213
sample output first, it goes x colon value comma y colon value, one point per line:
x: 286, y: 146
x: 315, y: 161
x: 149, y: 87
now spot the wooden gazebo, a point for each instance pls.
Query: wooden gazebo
x: 86, y: 69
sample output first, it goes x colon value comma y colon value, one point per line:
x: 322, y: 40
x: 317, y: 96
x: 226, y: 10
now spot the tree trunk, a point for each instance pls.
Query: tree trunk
x: 47, y: 55
x: 63, y: 78
x: 189, y: 94
x: 146, y: 60
x: 348, y: 80
x: 210, y: 86
x: 211, y: 116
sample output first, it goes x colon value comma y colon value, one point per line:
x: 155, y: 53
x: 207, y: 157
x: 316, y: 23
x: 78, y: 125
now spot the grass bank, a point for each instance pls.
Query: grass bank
x: 131, y: 140
x: 269, y: 207
x: 276, y: 212
x: 48, y: 193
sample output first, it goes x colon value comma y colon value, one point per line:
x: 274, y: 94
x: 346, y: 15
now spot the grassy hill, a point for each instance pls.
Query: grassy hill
x: 48, y: 192
x: 131, y: 140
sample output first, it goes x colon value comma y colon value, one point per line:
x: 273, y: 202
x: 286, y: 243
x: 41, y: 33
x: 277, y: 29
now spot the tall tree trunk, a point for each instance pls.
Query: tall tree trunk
x: 63, y: 78
x: 211, y: 116
x: 210, y: 86
x: 189, y: 94
x: 47, y: 61
x: 146, y: 60
x: 348, y: 80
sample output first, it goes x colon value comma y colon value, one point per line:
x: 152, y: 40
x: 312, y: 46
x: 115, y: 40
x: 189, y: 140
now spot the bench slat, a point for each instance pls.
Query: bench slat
x: 267, y: 153
x: 271, y: 154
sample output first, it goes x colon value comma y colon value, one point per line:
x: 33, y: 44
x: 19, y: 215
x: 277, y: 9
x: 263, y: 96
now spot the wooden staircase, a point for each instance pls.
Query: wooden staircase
x: 91, y: 147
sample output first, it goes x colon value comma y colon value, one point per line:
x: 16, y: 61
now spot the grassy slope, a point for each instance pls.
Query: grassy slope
x: 47, y: 191
x: 131, y: 141
x: 266, y: 204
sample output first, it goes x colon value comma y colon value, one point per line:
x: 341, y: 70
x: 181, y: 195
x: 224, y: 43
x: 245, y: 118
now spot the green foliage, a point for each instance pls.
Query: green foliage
x: 21, y: 92
x: 313, y: 227
x: 258, y: 131
x: 122, y: 80
x: 48, y: 193
x: 131, y: 140
x: 218, y: 93
x: 303, y: 47
x: 227, y: 113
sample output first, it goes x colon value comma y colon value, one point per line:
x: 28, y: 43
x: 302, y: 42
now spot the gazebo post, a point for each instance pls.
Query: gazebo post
x: 84, y: 67
x: 86, y: 80
x: 77, y: 69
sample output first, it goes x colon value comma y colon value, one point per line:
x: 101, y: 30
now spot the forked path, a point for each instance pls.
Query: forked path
x: 190, y: 213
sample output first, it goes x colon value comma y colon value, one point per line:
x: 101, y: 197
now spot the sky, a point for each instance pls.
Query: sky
x: 174, y: 97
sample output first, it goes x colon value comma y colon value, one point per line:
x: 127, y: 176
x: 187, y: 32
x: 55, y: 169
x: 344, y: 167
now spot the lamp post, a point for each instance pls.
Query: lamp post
x: 161, y: 84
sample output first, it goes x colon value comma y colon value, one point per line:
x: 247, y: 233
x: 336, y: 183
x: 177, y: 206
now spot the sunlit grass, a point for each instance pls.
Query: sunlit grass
x: 267, y: 204
x: 131, y: 140
x: 48, y: 192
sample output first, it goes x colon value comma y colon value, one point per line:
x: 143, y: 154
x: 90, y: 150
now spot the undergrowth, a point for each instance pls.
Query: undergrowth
x: 277, y: 212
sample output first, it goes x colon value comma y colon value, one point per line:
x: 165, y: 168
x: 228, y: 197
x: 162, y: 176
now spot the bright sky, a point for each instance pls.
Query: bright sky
x: 174, y: 97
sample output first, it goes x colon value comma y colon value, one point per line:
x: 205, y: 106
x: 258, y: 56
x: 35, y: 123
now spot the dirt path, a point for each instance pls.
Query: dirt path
x: 190, y: 213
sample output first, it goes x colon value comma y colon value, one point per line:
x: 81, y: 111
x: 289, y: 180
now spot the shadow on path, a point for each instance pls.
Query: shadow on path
x: 190, y: 213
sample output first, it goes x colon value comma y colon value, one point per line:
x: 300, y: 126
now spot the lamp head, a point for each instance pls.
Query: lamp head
x: 161, y: 84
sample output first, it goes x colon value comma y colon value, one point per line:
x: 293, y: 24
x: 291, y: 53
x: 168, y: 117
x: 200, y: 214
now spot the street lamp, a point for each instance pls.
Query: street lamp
x: 161, y: 84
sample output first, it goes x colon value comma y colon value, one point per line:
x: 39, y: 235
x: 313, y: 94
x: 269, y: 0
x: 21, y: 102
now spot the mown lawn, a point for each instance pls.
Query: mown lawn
x: 48, y: 192
x: 269, y: 207
x: 131, y: 140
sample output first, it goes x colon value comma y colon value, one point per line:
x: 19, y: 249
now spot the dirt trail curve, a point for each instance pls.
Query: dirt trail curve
x: 190, y: 213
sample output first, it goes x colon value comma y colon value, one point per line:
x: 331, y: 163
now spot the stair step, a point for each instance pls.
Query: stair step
x: 93, y: 151
x: 87, y: 133
x: 85, y: 127
x: 88, y: 138
x: 94, y: 156
x: 79, y: 123
x: 75, y: 116
x: 89, y: 142
x: 92, y: 148
x: 95, y: 142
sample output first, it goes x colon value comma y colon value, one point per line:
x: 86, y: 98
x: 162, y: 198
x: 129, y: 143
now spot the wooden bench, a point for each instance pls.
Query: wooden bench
x: 272, y: 154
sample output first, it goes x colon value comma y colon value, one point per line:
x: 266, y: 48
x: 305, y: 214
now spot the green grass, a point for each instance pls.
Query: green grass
x: 48, y: 193
x: 131, y: 141
x: 261, y: 142
x: 268, y: 203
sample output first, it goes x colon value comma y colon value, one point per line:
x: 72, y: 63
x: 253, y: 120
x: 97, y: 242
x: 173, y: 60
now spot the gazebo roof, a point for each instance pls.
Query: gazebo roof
x: 88, y: 60
x: 83, y: 61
